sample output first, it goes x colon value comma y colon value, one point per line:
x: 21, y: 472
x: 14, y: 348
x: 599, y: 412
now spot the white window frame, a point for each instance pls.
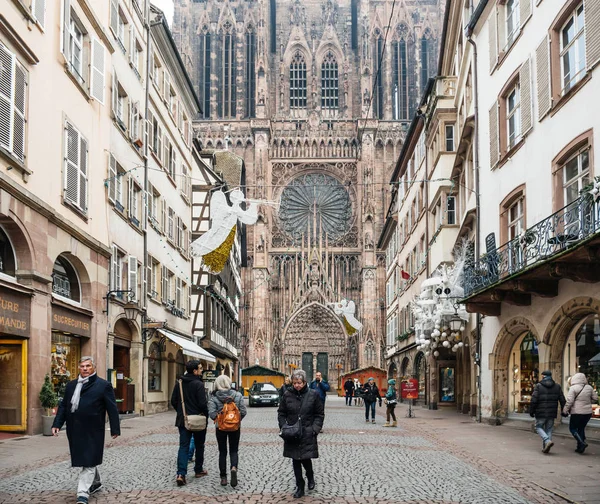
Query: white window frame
x: 76, y: 42
x: 583, y: 175
x: 513, y: 15
x: 451, y: 212
x: 516, y: 225
x: 449, y: 127
x: 513, y: 138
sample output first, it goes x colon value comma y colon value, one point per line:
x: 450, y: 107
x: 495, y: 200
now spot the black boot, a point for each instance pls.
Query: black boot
x: 311, y: 482
x: 299, y: 490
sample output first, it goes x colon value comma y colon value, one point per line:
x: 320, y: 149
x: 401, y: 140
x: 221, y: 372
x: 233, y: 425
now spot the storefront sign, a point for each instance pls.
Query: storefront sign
x: 210, y: 375
x: 15, y: 309
x: 71, y: 322
x: 410, y: 389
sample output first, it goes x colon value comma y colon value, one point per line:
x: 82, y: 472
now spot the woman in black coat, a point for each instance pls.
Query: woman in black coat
x: 300, y: 400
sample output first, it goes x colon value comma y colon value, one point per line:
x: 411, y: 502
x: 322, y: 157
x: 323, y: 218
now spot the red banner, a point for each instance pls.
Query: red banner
x: 410, y: 389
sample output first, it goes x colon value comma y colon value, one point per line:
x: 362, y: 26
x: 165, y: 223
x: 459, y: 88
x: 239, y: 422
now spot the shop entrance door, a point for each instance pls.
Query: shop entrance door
x: 323, y: 364
x: 13, y: 385
x: 121, y: 364
x: 307, y: 365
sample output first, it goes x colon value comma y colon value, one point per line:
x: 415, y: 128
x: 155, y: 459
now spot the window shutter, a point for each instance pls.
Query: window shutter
x: 165, y: 286
x: 493, y: 34
x: 526, y: 111
x: 501, y: 25
x: 131, y: 43
x: 65, y: 19
x: 148, y: 283
x: 132, y: 277
x: 71, y: 163
x: 178, y: 293
x: 7, y: 63
x: 170, y: 224
x: 130, y: 196
x: 145, y: 278
x: 83, y: 173
x: 115, y: 94
x: 494, y: 143
x: 163, y: 217
x: 542, y: 66
x: 38, y: 8
x: 20, y: 94
x: 147, y: 132
x: 114, y: 268
x: 132, y: 115
x: 112, y: 178
x: 114, y: 16
x: 97, y: 71
x: 166, y: 85
x: 525, y: 11
x: 591, y: 11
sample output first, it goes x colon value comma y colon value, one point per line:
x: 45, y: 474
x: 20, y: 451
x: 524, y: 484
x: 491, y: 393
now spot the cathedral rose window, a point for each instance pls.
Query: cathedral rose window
x: 315, y: 201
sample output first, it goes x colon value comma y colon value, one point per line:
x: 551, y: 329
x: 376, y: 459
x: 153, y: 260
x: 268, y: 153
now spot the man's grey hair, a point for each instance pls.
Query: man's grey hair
x: 299, y: 374
x: 87, y: 358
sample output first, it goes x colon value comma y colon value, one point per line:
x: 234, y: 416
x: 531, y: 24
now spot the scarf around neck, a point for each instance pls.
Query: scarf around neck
x: 77, y: 394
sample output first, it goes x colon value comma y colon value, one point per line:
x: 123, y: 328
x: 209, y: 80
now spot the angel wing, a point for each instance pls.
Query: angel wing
x: 218, y: 205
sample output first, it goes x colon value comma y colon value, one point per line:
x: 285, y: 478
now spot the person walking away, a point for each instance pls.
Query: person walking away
x: 349, y: 389
x: 194, y: 396
x: 357, y: 392
x: 226, y: 407
x: 84, y: 407
x: 321, y: 386
x: 304, y: 403
x: 543, y: 406
x: 580, y: 398
x: 287, y: 385
x: 370, y: 396
x: 391, y: 399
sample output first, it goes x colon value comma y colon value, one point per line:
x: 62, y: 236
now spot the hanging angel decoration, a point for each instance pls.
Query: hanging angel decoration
x: 346, y: 310
x: 214, y: 246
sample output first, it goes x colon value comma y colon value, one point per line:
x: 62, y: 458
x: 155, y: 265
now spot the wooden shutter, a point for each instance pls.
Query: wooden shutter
x: 38, y: 9
x: 7, y: 63
x: 592, y: 33
x: 72, y: 146
x: 65, y: 20
x: 114, y: 17
x: 148, y: 284
x: 115, y: 94
x: 112, y: 178
x: 166, y: 85
x: 493, y: 39
x: 97, y: 71
x: 165, y: 285
x: 114, y: 267
x: 501, y: 26
x: 170, y: 224
x: 178, y: 293
x: 525, y: 11
x: 163, y: 216
x: 83, y: 174
x: 132, y: 276
x: 542, y: 66
x: 131, y: 43
x: 130, y: 195
x: 525, y: 84
x: 494, y: 140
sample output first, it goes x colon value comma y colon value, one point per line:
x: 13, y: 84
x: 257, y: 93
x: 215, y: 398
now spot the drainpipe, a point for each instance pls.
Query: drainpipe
x: 477, y: 209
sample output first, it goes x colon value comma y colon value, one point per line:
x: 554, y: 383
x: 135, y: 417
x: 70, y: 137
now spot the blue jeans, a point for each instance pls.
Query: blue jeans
x: 185, y: 437
x: 370, y: 406
x: 544, y: 427
x: 192, y: 449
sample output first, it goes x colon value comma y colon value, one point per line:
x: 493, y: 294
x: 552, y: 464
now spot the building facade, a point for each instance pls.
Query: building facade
x: 316, y: 98
x: 535, y: 279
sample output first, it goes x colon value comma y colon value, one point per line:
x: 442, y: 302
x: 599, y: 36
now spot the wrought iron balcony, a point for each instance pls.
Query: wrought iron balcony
x: 549, y: 240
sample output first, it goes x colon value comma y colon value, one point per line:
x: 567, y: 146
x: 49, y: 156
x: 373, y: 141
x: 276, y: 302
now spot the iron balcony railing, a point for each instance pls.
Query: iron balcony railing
x: 557, y: 233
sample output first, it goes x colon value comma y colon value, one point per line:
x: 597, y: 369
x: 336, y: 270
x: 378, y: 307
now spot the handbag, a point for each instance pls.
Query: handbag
x: 294, y: 431
x: 192, y: 423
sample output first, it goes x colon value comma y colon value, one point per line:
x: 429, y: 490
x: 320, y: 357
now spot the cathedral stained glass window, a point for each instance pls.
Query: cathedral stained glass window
x: 250, y: 77
x: 315, y: 204
x: 329, y: 83
x: 227, y: 72
x: 204, y: 72
x: 378, y: 74
x: 298, y: 82
x: 401, y: 89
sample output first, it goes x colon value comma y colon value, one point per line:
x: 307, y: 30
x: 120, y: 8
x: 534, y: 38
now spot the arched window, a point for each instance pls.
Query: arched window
x: 227, y: 71
x: 329, y: 83
x: 378, y: 74
x: 426, y: 47
x: 64, y: 280
x: 250, y: 77
x: 154, y: 367
x: 298, y: 82
x: 204, y: 71
x: 370, y: 353
x: 401, y: 88
x: 7, y: 255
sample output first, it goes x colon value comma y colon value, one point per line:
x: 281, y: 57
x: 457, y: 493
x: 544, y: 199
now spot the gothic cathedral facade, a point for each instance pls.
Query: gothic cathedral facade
x: 316, y: 97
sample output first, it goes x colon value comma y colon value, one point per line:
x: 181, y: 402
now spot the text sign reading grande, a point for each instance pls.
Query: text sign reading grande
x: 410, y: 389
x: 71, y: 322
x: 15, y: 309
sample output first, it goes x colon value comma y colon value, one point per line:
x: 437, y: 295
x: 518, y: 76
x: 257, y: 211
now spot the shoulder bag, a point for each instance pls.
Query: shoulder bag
x: 191, y: 422
x: 294, y: 432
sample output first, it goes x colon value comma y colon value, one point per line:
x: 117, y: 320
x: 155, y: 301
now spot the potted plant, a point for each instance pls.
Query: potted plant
x: 49, y: 401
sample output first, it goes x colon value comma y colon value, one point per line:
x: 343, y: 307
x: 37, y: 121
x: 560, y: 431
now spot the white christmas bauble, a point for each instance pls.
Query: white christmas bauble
x: 461, y: 344
x: 444, y: 334
x: 462, y: 328
x: 426, y: 354
x: 446, y: 344
x: 454, y: 349
x: 436, y: 354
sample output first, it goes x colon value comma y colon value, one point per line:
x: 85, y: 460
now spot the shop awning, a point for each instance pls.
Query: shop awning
x: 189, y: 347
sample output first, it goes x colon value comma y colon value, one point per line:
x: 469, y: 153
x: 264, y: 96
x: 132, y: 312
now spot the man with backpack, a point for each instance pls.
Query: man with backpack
x: 544, y: 401
x: 226, y: 407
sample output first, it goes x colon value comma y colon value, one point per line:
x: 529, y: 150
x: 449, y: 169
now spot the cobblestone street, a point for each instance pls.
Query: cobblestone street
x: 358, y: 463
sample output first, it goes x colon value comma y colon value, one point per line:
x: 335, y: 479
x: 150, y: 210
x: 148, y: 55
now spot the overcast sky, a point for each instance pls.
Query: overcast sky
x: 167, y: 7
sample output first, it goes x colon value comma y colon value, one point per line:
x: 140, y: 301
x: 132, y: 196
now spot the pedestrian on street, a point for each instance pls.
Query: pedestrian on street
x: 349, y: 388
x: 84, y: 407
x: 321, y: 386
x: 195, y: 404
x: 391, y: 399
x: 371, y: 395
x: 302, y: 402
x: 287, y: 385
x: 224, y: 395
x: 543, y: 406
x: 580, y: 398
x: 358, y: 390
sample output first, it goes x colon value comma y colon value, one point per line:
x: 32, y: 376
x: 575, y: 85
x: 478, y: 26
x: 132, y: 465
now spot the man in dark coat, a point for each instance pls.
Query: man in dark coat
x: 304, y: 402
x: 544, y: 399
x: 371, y: 395
x: 321, y: 386
x: 85, y: 405
x: 194, y: 396
x: 349, y: 388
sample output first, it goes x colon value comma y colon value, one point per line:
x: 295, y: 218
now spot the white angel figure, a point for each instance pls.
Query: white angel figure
x: 346, y: 310
x: 214, y: 246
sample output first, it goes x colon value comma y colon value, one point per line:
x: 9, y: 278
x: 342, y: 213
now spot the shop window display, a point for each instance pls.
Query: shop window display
x: 447, y: 384
x: 420, y: 376
x: 524, y: 368
x: 582, y: 355
x: 65, y: 355
x: 154, y: 368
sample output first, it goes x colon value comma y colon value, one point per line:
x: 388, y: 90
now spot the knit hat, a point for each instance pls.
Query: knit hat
x: 371, y: 379
x: 547, y: 373
x: 391, y: 381
x: 223, y: 382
